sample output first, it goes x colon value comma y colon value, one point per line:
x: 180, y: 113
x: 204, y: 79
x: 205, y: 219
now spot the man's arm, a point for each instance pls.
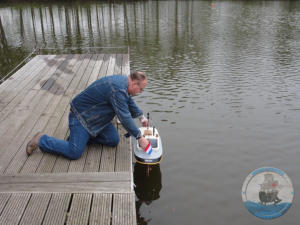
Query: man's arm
x: 120, y: 105
x: 134, y: 110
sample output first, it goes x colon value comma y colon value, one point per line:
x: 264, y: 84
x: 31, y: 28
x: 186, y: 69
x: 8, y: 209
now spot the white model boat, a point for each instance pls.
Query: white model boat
x: 152, y: 135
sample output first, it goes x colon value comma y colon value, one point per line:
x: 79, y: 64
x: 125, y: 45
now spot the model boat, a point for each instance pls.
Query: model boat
x: 152, y: 135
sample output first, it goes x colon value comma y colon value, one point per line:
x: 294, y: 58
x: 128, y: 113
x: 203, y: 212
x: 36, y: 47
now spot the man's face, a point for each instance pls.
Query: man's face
x: 136, y: 87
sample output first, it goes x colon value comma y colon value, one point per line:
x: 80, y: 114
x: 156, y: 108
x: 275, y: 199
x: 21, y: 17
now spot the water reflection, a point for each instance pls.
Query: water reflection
x: 147, y: 180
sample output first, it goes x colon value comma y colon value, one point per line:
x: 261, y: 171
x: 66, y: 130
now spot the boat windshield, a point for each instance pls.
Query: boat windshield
x: 153, y: 142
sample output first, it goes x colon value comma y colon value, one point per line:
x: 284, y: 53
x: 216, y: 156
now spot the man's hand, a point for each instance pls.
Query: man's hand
x: 144, y: 121
x: 143, y: 142
x: 145, y: 145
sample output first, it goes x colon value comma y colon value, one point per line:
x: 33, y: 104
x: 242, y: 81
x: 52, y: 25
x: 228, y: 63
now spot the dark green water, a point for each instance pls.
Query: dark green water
x: 224, y: 91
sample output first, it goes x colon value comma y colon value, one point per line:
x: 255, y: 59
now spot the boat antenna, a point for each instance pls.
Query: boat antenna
x: 148, y: 118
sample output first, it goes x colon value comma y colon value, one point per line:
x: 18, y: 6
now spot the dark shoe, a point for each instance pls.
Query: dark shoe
x: 33, y: 144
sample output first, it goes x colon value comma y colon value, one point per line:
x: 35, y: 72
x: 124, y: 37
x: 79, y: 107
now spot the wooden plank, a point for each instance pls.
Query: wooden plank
x: 61, y: 165
x: 75, y: 187
x: 33, y: 162
x: 93, y: 158
x: 57, y: 210
x: 18, y: 75
x: 80, y: 209
x: 101, y: 209
x: 19, y: 104
x: 20, y: 158
x: 88, y: 71
x: 96, y: 69
x: 123, y: 152
x: 126, y: 65
x: 28, y: 74
x: 35, y: 209
x: 82, y: 71
x: 78, y: 165
x: 118, y: 64
x: 21, y: 108
x: 124, y: 209
x: 108, y: 158
x: 3, y: 200
x: 15, y: 98
x: 11, y: 125
x: 103, y: 70
x: 65, y: 177
x: 67, y: 183
x: 111, y: 66
x: 14, y: 209
x: 28, y: 117
x: 49, y: 80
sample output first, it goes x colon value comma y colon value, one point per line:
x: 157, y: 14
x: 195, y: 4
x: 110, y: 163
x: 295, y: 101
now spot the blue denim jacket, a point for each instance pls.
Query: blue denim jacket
x: 97, y: 105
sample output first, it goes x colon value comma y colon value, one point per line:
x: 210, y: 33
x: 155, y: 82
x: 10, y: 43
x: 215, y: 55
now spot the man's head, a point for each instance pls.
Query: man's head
x: 137, y: 81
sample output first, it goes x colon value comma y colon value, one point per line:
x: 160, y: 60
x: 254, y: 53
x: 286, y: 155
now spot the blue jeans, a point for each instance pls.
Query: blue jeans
x: 78, y: 140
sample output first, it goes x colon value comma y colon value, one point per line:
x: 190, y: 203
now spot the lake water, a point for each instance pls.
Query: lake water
x: 223, y: 90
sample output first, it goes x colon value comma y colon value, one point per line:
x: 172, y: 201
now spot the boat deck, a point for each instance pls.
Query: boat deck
x: 50, y: 189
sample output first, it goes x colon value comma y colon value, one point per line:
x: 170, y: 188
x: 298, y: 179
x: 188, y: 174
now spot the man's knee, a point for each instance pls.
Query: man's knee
x: 74, y: 152
x: 75, y: 156
x: 114, y: 141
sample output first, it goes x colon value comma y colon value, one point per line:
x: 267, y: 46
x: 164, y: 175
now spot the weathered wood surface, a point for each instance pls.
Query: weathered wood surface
x: 50, y: 189
x: 65, y: 208
x: 123, y: 209
x: 65, y: 177
x: 57, y: 209
x: 36, y: 208
x: 14, y: 209
x: 106, y: 182
x: 100, y: 212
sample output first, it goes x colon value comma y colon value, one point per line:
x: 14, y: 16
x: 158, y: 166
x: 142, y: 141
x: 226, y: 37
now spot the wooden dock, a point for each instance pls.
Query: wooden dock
x: 49, y: 189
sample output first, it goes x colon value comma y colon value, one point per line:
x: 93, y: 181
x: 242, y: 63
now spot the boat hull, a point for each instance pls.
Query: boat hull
x: 147, y: 161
